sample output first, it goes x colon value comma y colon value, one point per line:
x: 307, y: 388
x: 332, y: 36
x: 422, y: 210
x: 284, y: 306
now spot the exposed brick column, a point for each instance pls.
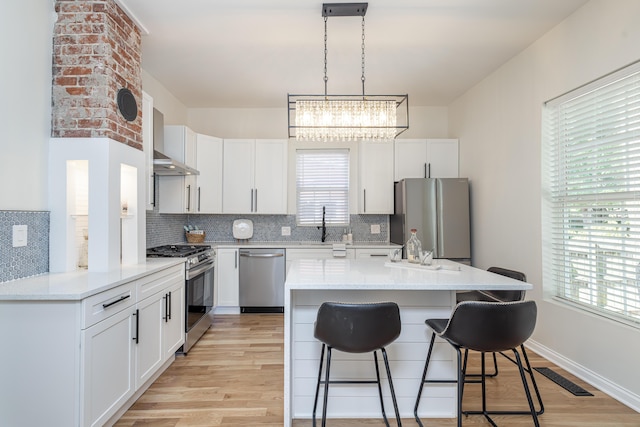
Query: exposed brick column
x: 96, y: 52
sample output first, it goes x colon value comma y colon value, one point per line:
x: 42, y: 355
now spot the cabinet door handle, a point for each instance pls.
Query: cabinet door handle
x: 428, y: 170
x: 364, y: 195
x: 169, y: 305
x: 252, y: 200
x: 236, y: 259
x: 188, y: 197
x: 198, y: 199
x: 380, y: 255
x: 137, y: 314
x: 153, y: 203
x: 255, y: 196
x: 122, y: 298
x: 425, y: 170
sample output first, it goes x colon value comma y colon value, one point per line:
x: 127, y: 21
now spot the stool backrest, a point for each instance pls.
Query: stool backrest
x: 491, y: 326
x: 507, y: 295
x: 357, y: 328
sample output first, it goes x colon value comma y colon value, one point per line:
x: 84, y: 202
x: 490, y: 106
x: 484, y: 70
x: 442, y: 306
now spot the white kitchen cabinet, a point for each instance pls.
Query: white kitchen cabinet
x: 208, y: 196
x: 255, y: 176
x: 107, y: 367
x: 148, y: 337
x: 147, y: 146
x: 173, y: 320
x: 426, y: 158
x: 375, y: 185
x: 177, y: 194
x: 227, y: 277
x: 83, y: 357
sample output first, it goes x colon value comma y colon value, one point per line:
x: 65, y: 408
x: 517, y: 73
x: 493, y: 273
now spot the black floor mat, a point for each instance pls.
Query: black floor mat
x: 566, y: 384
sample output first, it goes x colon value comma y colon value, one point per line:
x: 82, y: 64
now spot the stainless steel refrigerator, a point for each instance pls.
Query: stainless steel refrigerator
x: 438, y: 208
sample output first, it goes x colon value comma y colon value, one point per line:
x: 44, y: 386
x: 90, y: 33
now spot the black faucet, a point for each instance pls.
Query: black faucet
x: 324, y: 227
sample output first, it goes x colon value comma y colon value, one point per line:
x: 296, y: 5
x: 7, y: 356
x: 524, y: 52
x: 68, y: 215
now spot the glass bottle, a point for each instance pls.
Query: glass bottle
x: 414, y: 248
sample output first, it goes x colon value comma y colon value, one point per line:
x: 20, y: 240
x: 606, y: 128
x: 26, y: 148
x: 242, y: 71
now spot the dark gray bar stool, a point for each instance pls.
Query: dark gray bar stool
x: 503, y: 296
x: 485, y: 327
x: 356, y: 328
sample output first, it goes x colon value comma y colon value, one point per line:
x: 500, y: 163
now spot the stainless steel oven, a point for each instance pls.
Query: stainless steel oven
x: 199, y: 301
x: 199, y: 268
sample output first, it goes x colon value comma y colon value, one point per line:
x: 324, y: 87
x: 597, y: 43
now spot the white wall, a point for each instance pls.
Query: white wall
x: 25, y: 110
x: 267, y: 123
x: 498, y: 123
x: 174, y: 111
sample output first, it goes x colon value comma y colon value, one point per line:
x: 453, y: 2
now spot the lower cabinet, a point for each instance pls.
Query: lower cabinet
x: 227, y: 278
x: 124, y: 351
x: 80, y: 362
x: 107, y: 367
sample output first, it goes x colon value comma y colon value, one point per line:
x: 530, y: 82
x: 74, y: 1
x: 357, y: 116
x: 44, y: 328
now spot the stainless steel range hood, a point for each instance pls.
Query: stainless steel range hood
x: 163, y: 164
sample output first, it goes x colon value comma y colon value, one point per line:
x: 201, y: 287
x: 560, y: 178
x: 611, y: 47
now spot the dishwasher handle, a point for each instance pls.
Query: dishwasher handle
x: 271, y: 255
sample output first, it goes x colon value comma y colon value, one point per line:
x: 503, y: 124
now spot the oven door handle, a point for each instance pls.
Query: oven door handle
x: 190, y: 274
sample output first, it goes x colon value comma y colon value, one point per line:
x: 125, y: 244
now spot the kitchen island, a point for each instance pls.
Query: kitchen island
x: 421, y: 293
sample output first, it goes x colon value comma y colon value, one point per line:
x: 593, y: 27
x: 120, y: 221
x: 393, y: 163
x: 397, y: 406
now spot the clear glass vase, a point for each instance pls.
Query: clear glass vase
x: 414, y: 248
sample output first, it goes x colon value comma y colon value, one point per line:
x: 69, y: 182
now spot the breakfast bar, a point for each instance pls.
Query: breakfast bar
x: 421, y: 292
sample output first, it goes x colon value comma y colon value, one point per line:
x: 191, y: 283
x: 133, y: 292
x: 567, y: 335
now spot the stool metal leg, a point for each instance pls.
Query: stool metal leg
x: 393, y: 392
x: 315, y: 403
x: 326, y: 388
x: 422, y: 381
x: 375, y: 361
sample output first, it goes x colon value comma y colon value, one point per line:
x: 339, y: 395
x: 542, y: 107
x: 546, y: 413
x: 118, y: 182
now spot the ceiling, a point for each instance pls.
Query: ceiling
x: 252, y: 53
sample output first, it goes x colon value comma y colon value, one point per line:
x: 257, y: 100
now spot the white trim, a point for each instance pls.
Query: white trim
x: 603, y: 384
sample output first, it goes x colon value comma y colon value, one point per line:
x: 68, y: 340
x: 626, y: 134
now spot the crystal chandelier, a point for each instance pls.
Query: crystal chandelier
x: 346, y: 117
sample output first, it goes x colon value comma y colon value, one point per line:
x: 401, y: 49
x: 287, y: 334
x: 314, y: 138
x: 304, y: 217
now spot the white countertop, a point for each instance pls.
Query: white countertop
x: 77, y: 285
x: 378, y: 274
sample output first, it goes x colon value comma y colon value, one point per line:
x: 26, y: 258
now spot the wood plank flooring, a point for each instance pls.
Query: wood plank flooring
x: 234, y: 377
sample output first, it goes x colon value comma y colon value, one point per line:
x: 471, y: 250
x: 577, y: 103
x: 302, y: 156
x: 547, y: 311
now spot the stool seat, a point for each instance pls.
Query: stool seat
x: 356, y: 328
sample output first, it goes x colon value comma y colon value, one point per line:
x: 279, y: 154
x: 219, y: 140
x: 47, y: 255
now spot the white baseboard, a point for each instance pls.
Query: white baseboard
x: 618, y: 393
x: 226, y: 310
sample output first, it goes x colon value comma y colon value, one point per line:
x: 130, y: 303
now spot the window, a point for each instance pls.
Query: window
x: 591, y: 196
x: 322, y: 180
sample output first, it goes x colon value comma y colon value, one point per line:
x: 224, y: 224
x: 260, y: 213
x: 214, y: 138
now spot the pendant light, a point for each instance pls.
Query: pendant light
x: 346, y: 117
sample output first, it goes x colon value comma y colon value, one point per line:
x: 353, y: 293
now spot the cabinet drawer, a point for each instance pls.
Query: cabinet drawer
x: 160, y: 280
x: 372, y: 253
x: 105, y: 304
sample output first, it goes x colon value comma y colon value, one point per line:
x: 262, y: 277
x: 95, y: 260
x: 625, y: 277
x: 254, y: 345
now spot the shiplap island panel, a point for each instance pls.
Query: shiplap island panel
x: 421, y: 293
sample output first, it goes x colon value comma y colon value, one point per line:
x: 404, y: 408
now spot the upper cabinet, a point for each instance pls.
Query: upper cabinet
x: 426, y: 158
x: 255, y: 176
x: 147, y: 146
x: 208, y: 197
x: 177, y: 194
x: 375, y: 186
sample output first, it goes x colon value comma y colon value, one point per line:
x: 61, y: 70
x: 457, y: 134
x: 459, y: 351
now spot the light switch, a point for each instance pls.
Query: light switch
x: 19, y: 236
x: 286, y: 231
x: 375, y: 228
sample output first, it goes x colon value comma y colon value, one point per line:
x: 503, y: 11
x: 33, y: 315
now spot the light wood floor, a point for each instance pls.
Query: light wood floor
x: 234, y: 377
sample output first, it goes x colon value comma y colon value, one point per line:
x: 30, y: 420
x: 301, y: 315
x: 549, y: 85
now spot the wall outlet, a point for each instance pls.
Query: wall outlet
x: 375, y: 228
x: 286, y: 231
x: 19, y: 236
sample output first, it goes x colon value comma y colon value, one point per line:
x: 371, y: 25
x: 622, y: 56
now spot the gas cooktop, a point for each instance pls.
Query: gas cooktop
x: 175, y: 251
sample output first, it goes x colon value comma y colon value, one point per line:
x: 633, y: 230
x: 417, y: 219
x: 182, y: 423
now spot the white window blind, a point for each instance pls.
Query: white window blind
x: 322, y: 180
x: 591, y: 211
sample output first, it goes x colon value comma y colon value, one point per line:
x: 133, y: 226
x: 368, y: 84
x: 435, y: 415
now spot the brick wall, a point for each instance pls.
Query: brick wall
x: 96, y: 52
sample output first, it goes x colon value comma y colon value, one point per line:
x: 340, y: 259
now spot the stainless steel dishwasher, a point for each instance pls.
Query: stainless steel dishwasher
x: 262, y: 274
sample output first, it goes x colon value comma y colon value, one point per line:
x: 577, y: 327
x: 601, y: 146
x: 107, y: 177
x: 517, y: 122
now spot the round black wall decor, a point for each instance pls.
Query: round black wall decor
x: 127, y: 105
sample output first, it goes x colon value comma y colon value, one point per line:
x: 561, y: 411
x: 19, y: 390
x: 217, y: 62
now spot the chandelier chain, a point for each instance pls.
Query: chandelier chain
x: 362, y: 78
x: 326, y: 79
